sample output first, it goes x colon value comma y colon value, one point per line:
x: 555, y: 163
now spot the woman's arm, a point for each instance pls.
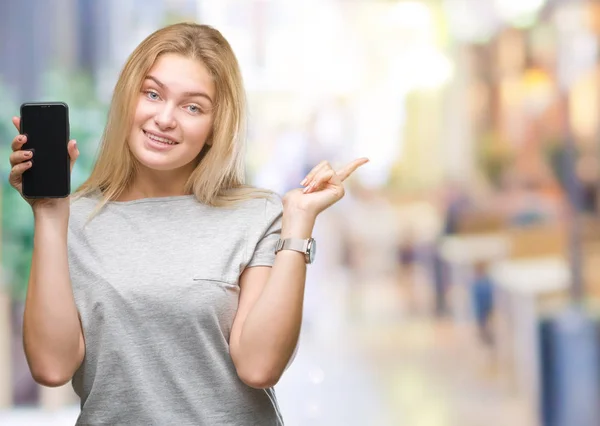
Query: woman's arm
x: 267, y: 324
x: 52, y: 335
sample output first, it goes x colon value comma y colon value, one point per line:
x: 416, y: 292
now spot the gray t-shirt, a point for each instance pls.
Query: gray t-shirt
x: 156, y: 284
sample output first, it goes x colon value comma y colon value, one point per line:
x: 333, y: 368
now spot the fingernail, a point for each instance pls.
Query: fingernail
x: 27, y: 153
x: 303, y: 182
x: 21, y: 138
x: 305, y: 190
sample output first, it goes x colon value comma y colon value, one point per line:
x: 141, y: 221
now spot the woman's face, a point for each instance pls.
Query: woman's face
x: 174, y: 114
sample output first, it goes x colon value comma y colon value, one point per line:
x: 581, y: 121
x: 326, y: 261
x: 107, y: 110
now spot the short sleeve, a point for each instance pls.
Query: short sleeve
x: 264, y: 250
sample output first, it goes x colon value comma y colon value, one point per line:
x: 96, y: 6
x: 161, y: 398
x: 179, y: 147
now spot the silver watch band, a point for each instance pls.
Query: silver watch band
x: 296, y: 244
x: 306, y: 247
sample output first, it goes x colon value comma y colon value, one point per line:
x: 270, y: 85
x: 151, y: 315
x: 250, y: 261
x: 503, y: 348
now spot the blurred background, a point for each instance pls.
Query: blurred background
x: 457, y: 282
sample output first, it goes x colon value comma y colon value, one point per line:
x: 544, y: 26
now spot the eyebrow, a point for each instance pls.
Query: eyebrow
x: 186, y: 94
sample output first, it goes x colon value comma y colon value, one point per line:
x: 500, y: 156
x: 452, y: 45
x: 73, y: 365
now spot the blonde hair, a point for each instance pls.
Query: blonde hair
x: 219, y: 177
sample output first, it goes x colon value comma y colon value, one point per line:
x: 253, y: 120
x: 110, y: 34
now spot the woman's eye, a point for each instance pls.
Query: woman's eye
x: 152, y: 95
x: 194, y: 109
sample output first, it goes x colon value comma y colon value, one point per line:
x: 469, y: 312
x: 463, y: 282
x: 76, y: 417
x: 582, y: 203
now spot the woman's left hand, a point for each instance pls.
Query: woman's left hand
x: 322, y: 188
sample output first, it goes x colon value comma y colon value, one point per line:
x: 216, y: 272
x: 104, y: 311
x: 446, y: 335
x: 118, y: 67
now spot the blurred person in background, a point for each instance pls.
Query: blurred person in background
x: 372, y: 234
x: 455, y: 203
x: 588, y: 173
x: 166, y: 289
x: 482, y: 295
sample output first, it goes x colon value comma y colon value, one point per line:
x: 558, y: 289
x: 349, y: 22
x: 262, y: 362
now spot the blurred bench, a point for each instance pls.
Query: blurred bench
x: 480, y: 222
x: 590, y: 233
x: 534, y: 275
x: 531, y: 270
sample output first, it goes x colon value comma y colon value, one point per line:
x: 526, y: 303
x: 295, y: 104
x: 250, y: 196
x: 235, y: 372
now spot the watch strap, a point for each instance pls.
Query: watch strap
x: 296, y: 244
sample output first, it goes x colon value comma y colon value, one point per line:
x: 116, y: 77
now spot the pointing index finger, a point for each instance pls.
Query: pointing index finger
x: 347, y: 170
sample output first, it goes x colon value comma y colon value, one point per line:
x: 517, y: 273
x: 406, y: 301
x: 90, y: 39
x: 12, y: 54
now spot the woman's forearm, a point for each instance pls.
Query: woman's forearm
x: 52, y: 335
x: 271, y: 330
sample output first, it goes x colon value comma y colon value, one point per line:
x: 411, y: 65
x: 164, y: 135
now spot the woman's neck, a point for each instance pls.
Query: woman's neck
x: 156, y: 184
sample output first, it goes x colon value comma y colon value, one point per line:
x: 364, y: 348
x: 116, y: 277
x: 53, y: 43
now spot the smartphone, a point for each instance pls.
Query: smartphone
x: 46, y: 125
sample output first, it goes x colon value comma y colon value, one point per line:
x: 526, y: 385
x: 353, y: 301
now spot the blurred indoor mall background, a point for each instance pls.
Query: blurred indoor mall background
x: 456, y: 284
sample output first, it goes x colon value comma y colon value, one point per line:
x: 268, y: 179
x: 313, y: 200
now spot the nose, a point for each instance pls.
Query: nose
x: 165, y: 119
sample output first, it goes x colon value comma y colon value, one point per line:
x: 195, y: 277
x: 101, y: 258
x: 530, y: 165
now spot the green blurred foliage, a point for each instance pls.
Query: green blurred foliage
x: 494, y: 156
x: 87, y: 119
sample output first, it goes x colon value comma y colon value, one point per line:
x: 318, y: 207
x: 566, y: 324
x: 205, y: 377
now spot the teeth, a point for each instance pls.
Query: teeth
x: 159, y: 139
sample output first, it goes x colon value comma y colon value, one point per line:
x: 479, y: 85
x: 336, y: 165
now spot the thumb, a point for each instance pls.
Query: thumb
x: 17, y: 123
x: 73, y: 152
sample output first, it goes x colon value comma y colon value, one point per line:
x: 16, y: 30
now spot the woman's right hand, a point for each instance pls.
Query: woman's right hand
x: 21, y: 160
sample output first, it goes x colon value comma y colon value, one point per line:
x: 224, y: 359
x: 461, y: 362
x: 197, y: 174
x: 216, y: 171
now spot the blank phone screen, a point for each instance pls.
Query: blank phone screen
x: 47, y: 130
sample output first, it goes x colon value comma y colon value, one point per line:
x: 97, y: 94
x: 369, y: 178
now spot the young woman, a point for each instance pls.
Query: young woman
x: 156, y: 288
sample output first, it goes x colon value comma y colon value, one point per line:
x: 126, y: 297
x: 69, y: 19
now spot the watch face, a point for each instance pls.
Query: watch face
x: 312, y: 250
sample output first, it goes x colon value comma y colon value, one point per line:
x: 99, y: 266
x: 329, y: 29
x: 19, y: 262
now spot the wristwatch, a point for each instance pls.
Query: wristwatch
x: 307, y: 247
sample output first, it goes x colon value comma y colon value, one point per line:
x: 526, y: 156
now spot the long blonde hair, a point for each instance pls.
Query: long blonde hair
x: 219, y: 177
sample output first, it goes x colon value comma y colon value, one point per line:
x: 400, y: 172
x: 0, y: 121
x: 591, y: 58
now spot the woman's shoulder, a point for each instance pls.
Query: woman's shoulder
x: 269, y: 203
x: 82, y: 202
x: 82, y: 207
x: 256, y: 199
